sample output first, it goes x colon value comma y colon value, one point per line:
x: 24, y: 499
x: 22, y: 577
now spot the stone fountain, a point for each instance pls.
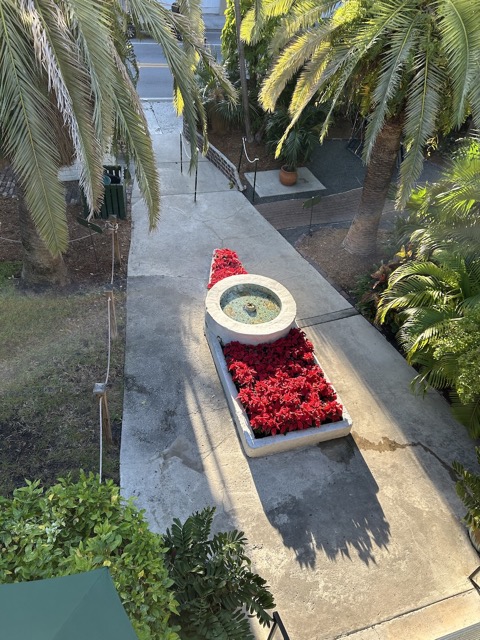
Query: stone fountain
x: 253, y: 309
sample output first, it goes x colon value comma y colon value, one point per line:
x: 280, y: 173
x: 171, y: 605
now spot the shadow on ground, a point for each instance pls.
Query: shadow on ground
x: 323, y: 499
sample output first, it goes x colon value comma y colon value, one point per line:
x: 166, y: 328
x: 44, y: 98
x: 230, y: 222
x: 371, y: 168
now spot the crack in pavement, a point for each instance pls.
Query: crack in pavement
x: 387, y: 444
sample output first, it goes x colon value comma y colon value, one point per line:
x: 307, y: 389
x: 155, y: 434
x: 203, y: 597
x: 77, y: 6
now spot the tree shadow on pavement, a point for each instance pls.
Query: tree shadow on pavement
x: 323, y: 499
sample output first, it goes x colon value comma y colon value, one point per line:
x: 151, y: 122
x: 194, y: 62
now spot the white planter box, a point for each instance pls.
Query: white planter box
x: 256, y: 447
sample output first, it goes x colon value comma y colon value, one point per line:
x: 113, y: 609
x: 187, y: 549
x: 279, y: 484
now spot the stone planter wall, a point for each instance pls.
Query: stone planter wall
x: 219, y: 160
x: 257, y: 447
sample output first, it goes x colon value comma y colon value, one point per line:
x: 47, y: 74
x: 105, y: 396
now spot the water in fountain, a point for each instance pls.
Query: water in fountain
x: 250, y: 304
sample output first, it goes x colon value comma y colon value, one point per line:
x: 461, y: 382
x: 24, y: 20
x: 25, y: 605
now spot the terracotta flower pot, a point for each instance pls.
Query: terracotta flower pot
x: 287, y: 178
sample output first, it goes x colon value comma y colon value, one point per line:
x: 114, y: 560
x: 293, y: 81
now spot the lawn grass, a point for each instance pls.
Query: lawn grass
x: 53, y: 348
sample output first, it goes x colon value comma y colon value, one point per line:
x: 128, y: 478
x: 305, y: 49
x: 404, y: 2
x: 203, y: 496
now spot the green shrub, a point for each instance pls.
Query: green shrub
x: 78, y: 526
x: 468, y: 489
x: 213, y: 582
x: 300, y: 143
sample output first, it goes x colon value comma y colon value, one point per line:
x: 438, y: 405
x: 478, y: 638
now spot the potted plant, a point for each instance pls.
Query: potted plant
x: 468, y: 489
x: 298, y: 146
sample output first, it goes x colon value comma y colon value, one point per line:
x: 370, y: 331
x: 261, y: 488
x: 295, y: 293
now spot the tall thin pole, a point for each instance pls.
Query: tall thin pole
x: 254, y: 181
x: 243, y: 71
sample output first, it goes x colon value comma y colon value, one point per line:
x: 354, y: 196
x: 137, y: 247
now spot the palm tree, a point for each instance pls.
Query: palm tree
x: 412, y: 65
x: 66, y: 90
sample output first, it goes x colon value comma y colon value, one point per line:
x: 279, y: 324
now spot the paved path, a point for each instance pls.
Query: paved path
x: 361, y: 537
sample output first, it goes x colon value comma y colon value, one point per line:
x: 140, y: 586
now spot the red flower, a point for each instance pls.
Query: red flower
x: 225, y: 263
x: 280, y: 386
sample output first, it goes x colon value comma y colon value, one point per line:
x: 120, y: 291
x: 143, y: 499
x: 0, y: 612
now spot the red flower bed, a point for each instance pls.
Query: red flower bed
x: 280, y: 386
x: 225, y: 263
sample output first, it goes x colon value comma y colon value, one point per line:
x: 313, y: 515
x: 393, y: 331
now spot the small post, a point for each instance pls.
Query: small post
x: 113, y: 228
x: 254, y: 181
x: 196, y: 180
x: 181, y: 155
x: 112, y: 315
x: 241, y: 156
x: 116, y: 247
x: 311, y: 218
x: 94, y: 250
x: 100, y: 392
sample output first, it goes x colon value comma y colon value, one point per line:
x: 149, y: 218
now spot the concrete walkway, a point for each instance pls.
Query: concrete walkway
x: 360, y: 537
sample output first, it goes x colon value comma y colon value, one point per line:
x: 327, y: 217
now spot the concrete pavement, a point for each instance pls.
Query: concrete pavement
x: 360, y: 537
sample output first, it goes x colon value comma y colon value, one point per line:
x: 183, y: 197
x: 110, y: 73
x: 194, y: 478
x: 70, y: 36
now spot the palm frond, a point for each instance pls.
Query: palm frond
x: 422, y: 268
x: 436, y: 376
x: 57, y: 53
x: 424, y: 100
x: 459, y: 26
x: 470, y: 303
x: 390, y: 78
x: 253, y: 22
x: 289, y: 62
x: 28, y: 130
x: 89, y: 23
x: 133, y: 129
x: 159, y: 23
x: 307, y: 14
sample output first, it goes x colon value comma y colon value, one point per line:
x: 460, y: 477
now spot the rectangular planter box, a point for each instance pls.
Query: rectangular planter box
x: 256, y: 447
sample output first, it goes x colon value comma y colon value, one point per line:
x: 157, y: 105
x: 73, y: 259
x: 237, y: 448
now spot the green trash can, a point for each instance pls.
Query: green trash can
x: 115, y: 199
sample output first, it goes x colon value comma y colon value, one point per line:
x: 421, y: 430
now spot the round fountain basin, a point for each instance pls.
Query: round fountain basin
x: 250, y: 309
x: 250, y: 304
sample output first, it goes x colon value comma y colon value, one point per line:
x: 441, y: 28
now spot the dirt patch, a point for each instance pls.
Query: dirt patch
x: 324, y: 250
x: 89, y: 256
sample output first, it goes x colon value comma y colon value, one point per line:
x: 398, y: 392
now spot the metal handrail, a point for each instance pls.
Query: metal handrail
x: 277, y: 626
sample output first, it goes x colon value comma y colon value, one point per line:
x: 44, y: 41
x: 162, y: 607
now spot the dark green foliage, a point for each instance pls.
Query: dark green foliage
x: 369, y: 288
x: 257, y: 61
x: 216, y: 101
x: 300, y: 141
x: 468, y: 488
x: 78, y: 526
x: 213, y: 582
x: 435, y: 297
x: 257, y: 56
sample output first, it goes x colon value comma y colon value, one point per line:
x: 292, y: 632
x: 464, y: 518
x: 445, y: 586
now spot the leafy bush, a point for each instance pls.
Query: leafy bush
x: 460, y: 351
x: 468, y: 488
x: 298, y: 146
x: 435, y: 297
x: 78, y: 526
x: 213, y: 582
x: 370, y: 286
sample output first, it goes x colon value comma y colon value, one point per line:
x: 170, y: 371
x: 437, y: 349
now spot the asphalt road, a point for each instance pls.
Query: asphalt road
x: 155, y: 82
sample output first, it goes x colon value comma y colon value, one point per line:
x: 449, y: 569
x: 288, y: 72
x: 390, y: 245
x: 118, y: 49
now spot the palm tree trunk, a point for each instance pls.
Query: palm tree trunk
x: 39, y: 266
x: 243, y: 73
x: 361, y: 238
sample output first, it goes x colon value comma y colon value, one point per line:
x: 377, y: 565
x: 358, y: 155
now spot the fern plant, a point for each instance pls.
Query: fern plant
x: 213, y: 583
x: 435, y: 296
x: 468, y: 489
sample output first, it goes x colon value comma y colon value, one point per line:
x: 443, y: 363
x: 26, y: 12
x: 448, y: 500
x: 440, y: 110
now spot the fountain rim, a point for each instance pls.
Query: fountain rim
x: 288, y: 307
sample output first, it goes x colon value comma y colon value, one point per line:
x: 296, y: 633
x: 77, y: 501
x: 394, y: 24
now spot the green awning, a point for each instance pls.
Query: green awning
x: 84, y: 606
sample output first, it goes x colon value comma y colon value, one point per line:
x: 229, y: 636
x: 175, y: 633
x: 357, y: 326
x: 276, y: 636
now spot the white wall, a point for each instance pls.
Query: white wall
x: 209, y: 6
